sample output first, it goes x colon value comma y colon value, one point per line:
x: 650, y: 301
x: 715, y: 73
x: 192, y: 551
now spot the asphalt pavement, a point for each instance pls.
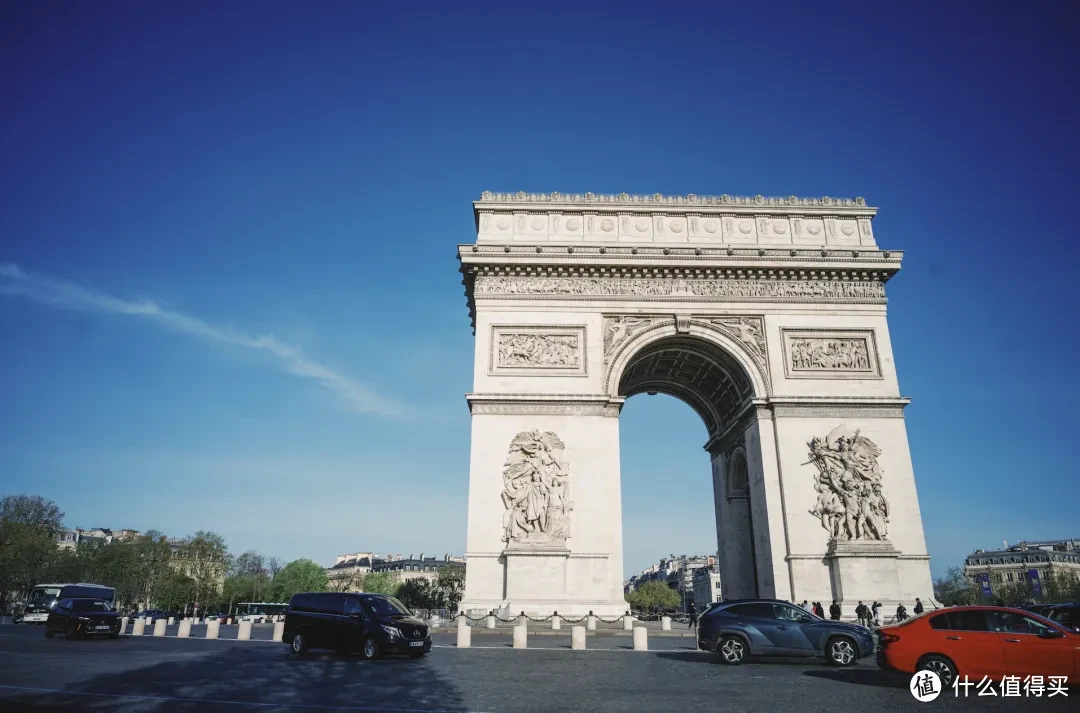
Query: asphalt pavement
x: 171, y: 675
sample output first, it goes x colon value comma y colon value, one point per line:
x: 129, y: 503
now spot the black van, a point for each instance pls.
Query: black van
x: 373, y: 624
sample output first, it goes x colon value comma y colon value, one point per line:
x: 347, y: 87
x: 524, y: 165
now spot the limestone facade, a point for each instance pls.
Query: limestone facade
x: 766, y: 316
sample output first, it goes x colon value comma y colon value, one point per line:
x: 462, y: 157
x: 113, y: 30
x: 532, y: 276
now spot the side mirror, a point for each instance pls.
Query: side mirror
x: 1051, y: 634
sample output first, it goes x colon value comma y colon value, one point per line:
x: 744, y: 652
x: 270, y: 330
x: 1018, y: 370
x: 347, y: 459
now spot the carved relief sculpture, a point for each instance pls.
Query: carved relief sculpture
x: 538, y: 351
x: 536, y: 493
x: 613, y: 286
x: 748, y: 330
x: 829, y: 354
x: 618, y: 329
x: 850, y: 502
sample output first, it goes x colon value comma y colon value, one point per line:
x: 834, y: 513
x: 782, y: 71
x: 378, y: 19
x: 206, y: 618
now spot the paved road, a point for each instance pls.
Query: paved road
x: 137, y: 674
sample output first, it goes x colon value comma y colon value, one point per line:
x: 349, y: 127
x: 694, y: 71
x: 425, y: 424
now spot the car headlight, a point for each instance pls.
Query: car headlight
x: 391, y: 630
x: 85, y: 619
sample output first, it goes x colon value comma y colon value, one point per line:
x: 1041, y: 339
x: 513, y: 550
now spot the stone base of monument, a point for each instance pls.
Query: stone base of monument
x: 863, y: 570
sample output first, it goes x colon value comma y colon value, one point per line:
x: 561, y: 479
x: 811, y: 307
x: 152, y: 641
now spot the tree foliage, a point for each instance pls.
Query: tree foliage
x: 300, y: 575
x: 954, y: 588
x: 28, y: 528
x: 653, y: 594
x: 380, y: 583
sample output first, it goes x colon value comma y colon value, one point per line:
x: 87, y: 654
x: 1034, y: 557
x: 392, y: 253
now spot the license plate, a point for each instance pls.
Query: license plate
x: 102, y: 628
x: 416, y: 643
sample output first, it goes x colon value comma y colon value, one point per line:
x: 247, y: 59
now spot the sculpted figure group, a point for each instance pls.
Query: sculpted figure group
x: 850, y: 502
x: 536, y: 489
x: 538, y: 350
x: 829, y: 354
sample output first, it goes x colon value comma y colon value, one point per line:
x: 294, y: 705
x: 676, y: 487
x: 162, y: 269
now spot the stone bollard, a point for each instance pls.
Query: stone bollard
x: 123, y: 624
x: 556, y: 622
x: 665, y: 623
x: 521, y: 637
x: 591, y: 622
x: 627, y: 623
x: 245, y: 631
x: 194, y: 621
x: 137, y: 627
x: 464, y: 633
x: 228, y: 621
x: 523, y: 620
x: 159, y: 627
x: 172, y: 620
x: 213, y: 628
x: 577, y: 637
x: 641, y: 638
x: 185, y: 629
x: 490, y: 621
x: 279, y: 630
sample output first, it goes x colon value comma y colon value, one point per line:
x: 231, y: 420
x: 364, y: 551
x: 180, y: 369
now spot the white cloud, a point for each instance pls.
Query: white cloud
x: 65, y: 295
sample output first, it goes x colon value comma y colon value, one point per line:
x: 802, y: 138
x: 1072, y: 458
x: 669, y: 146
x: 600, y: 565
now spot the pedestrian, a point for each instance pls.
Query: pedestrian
x: 860, y: 614
x: 693, y: 616
x: 901, y: 612
x: 804, y: 606
x: 918, y: 608
x: 834, y: 611
x: 876, y: 613
x: 819, y: 611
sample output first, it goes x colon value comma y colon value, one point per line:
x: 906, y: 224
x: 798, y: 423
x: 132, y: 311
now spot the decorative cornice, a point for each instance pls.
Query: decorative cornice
x: 765, y: 288
x: 657, y: 199
x: 544, y: 404
x: 540, y: 253
x: 838, y: 407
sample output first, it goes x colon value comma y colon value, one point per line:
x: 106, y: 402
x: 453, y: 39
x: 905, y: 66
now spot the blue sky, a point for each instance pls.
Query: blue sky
x: 229, y: 298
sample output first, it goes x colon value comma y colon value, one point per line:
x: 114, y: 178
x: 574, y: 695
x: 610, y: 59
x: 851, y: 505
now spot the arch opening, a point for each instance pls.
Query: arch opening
x: 713, y: 382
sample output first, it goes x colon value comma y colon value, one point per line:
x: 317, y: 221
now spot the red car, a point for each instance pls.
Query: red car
x: 980, y: 641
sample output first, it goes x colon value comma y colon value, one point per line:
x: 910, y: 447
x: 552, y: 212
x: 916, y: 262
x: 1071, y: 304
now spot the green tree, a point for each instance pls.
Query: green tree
x: 29, y: 525
x: 450, y: 585
x: 174, y: 591
x: 955, y: 588
x: 301, y: 575
x: 652, y: 594
x: 380, y: 583
x: 416, y: 594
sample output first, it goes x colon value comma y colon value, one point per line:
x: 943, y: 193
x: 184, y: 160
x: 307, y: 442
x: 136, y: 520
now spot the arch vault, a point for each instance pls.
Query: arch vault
x: 766, y: 316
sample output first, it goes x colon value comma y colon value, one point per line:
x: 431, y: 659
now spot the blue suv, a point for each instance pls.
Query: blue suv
x: 770, y: 627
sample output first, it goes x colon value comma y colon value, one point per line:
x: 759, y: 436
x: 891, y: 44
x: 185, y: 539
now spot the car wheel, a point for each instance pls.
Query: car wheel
x: 370, y: 649
x: 732, y: 650
x: 841, y: 651
x: 941, y: 665
x: 298, y: 645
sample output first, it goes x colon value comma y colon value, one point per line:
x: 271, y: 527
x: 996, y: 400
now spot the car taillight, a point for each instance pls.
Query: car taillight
x: 888, y: 638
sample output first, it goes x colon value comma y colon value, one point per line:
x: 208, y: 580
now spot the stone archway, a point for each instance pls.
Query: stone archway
x: 767, y: 316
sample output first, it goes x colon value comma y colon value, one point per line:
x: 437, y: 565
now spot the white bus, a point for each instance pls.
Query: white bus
x: 44, y: 597
x: 256, y: 610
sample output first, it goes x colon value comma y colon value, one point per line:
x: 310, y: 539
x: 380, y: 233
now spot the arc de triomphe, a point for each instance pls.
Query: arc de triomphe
x: 765, y: 315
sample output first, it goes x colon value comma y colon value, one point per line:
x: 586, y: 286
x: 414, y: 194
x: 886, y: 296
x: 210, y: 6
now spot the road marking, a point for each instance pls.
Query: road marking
x: 311, y: 706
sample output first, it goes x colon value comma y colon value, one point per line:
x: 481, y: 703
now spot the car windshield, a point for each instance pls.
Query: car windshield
x: 90, y: 605
x: 387, y: 606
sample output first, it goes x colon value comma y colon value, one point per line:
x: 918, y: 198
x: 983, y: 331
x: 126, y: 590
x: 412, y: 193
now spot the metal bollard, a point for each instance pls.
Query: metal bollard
x: 490, y: 621
x: 159, y: 627
x: 628, y: 623
x: 641, y: 638
x: 577, y: 637
x: 464, y: 633
x: 592, y: 622
x: 213, y: 628
x: 279, y: 630
x: 185, y: 629
x: 556, y: 622
x: 245, y: 631
x: 665, y: 623
x: 521, y: 637
x: 138, y: 627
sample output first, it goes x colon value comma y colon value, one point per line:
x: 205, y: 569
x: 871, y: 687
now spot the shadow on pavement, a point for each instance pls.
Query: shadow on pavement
x: 862, y: 677
x: 247, y: 678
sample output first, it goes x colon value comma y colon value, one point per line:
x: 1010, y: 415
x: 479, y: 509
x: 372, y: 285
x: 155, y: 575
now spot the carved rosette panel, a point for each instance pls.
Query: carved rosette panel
x: 850, y: 502
x: 538, y: 349
x: 655, y: 287
x: 536, y: 490
x: 828, y: 354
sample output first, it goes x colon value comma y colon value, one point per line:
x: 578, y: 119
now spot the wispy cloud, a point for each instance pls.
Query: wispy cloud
x: 65, y: 295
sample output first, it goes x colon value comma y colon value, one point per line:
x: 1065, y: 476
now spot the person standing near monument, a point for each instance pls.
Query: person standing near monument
x: 692, y: 611
x: 862, y: 614
x: 876, y: 614
x: 918, y: 608
x: 834, y: 611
